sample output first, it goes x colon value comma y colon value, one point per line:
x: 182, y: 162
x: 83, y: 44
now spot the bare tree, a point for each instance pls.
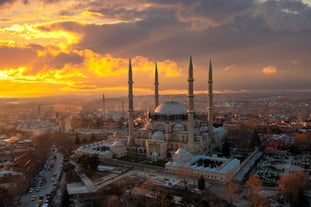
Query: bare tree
x: 254, y: 184
x: 292, y: 186
x: 231, y: 188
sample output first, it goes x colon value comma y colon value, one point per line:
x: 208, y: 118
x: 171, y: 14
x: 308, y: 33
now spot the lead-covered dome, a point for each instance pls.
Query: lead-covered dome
x: 171, y: 108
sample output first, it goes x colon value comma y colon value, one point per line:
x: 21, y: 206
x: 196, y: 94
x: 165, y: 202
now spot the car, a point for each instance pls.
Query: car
x: 30, y: 190
x: 40, y: 202
x: 33, y: 198
x: 38, y: 189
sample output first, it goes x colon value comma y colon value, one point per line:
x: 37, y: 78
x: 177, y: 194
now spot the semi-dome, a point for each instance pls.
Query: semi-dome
x: 157, y: 135
x: 178, y: 127
x: 181, y: 155
x: 117, y: 144
x: 171, y: 108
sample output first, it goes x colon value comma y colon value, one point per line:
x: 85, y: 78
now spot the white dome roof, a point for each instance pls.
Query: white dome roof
x: 158, y: 134
x: 117, y: 144
x: 181, y: 151
x: 178, y: 127
x: 171, y: 108
x: 182, y: 155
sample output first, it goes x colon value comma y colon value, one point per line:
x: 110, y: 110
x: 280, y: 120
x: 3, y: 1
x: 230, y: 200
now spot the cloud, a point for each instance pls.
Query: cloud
x: 269, y: 70
x: 6, y: 2
x: 229, y: 67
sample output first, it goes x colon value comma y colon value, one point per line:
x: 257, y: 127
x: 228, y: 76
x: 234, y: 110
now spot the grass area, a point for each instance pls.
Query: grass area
x: 134, y: 159
x: 159, y: 163
x: 142, y: 160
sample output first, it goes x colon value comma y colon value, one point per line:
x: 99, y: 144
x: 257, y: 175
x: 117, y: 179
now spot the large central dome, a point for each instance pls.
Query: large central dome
x: 171, y: 108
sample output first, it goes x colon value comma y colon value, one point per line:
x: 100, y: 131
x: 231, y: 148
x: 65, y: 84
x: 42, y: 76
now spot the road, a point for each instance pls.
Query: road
x: 45, y: 181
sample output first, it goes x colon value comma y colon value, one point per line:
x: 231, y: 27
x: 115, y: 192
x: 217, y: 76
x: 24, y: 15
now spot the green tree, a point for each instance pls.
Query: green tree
x: 255, y: 140
x: 226, y: 149
x: 201, y: 183
x: 65, y: 201
x: 82, y: 160
x: 93, y: 162
x: 203, y: 203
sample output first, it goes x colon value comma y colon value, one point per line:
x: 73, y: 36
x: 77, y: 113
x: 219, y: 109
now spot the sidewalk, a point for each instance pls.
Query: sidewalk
x: 244, y: 170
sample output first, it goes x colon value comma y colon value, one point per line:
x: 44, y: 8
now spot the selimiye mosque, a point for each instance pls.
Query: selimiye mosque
x: 173, y: 133
x: 172, y: 125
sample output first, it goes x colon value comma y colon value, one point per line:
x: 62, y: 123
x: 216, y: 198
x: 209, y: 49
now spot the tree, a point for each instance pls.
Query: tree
x: 93, y: 162
x: 65, y: 201
x: 83, y: 161
x: 292, y: 186
x: 88, y: 162
x: 254, y: 183
x: 226, y: 149
x: 255, y: 140
x: 164, y: 197
x: 6, y: 199
x: 231, y: 188
x: 201, y: 183
x: 114, y: 201
x: 77, y: 140
x: 203, y: 203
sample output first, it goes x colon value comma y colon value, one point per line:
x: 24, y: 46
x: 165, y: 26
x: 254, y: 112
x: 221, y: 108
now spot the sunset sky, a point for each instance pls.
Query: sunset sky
x: 79, y: 47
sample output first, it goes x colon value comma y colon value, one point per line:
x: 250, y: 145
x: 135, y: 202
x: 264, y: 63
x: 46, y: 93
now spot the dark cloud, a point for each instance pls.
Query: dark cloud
x: 17, y: 56
x: 6, y: 2
x: 61, y: 59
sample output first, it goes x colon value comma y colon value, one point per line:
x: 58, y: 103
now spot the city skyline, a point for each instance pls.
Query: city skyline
x: 54, y: 47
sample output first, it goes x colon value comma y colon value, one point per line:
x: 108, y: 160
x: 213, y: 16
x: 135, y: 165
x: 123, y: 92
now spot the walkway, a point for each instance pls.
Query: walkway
x: 245, y: 169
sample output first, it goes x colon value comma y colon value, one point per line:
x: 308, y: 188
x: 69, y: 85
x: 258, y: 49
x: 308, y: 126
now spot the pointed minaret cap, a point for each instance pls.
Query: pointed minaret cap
x: 190, y: 76
x: 210, y: 74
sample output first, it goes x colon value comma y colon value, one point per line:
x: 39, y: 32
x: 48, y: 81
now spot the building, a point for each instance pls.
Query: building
x: 216, y: 169
x: 172, y: 125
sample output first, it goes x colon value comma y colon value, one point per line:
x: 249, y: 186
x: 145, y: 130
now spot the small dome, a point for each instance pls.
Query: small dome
x: 181, y: 151
x: 171, y: 108
x: 181, y: 155
x: 178, y: 127
x: 157, y: 135
x: 285, y: 137
x: 117, y: 144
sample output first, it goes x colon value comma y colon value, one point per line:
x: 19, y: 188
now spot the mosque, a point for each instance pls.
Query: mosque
x: 172, y: 125
x: 173, y: 133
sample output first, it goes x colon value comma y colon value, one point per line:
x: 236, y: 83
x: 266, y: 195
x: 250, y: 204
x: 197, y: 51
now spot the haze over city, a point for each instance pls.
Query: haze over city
x: 53, y: 47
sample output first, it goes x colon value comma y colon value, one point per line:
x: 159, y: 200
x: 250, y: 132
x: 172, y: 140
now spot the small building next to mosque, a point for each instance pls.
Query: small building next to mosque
x: 217, y: 169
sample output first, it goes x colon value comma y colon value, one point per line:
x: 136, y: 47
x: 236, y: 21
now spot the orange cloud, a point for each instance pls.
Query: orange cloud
x: 229, y: 67
x: 269, y: 70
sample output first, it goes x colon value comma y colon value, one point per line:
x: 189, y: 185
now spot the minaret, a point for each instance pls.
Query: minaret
x: 210, y: 105
x: 122, y: 105
x: 130, y: 141
x: 39, y: 112
x: 190, y: 108
x: 156, y: 87
x: 104, y: 107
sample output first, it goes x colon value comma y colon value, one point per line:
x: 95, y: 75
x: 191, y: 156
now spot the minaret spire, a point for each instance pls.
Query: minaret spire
x: 190, y: 108
x: 104, y: 107
x: 131, y: 108
x: 210, y: 104
x: 156, y: 87
x: 190, y: 87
